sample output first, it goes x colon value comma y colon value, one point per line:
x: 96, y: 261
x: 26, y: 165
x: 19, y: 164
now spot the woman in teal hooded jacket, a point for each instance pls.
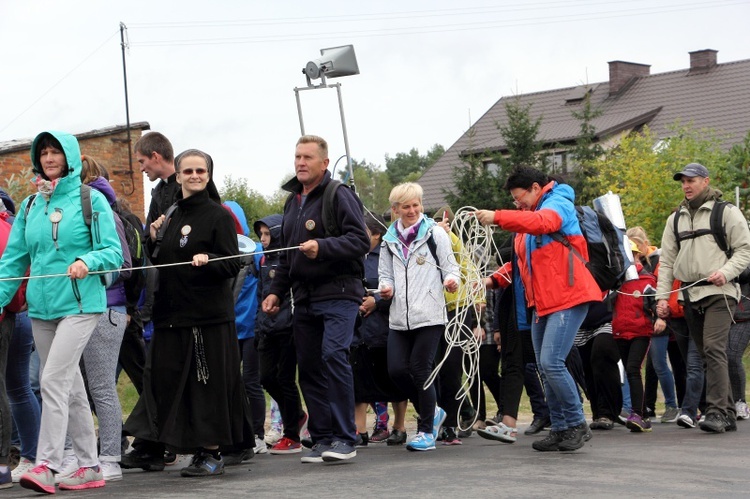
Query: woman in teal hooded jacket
x: 51, y: 237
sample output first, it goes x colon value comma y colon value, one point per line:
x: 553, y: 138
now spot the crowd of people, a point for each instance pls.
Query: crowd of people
x: 336, y: 311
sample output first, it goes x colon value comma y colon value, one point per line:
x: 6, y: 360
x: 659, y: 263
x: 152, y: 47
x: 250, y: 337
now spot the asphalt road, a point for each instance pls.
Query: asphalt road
x: 669, y: 462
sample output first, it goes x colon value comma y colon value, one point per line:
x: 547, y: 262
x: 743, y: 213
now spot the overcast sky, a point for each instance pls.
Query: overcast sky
x: 219, y: 76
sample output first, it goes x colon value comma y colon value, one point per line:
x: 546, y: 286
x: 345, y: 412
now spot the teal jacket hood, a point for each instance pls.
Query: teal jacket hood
x: 70, y: 148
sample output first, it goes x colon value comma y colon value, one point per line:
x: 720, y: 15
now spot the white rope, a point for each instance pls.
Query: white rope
x: 189, y: 262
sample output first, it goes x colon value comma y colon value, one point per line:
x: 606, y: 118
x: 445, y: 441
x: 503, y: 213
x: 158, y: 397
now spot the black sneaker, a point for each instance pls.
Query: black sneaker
x: 397, y: 437
x: 714, y: 423
x: 602, y: 424
x: 548, y: 443
x: 136, y: 459
x: 237, y: 458
x: 537, y: 426
x: 203, y: 464
x: 574, y: 438
x: 731, y: 423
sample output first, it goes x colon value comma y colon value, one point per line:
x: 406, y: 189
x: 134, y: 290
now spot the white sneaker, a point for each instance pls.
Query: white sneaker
x: 272, y: 436
x: 110, y: 470
x: 743, y: 411
x: 67, y: 468
x: 24, y: 465
x: 260, y: 446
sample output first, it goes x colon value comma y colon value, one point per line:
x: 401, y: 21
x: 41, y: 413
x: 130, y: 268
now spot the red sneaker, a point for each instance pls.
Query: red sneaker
x: 286, y: 446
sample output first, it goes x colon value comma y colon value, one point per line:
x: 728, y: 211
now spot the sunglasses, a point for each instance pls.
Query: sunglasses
x: 197, y: 171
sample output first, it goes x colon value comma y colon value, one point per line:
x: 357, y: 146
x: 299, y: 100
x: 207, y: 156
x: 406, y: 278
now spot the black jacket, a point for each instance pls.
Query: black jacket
x: 268, y: 324
x: 195, y: 296
x: 336, y: 272
x: 162, y: 197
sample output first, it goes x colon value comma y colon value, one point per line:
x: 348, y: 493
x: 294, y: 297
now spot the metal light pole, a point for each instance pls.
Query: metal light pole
x: 334, y: 62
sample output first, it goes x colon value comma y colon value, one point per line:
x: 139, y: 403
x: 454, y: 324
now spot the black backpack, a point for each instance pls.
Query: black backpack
x: 716, y: 228
x: 608, y: 260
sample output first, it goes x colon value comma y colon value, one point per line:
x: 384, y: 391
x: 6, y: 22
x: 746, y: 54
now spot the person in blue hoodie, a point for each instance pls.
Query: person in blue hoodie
x: 245, y: 310
x: 51, y: 236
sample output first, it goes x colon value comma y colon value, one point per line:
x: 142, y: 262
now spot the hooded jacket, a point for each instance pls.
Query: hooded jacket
x: 268, y: 324
x: 373, y: 330
x: 544, y: 262
x: 335, y: 274
x: 418, y: 298
x: 699, y: 257
x: 31, y: 244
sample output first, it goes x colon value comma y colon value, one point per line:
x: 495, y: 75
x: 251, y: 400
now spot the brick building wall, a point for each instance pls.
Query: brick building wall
x: 108, y: 146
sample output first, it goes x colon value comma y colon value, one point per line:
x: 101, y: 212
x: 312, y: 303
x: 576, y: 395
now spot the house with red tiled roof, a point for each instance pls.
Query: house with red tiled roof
x: 705, y: 95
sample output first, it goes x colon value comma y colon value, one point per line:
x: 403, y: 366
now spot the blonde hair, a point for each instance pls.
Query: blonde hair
x: 405, y: 192
x: 638, y: 234
x: 314, y: 139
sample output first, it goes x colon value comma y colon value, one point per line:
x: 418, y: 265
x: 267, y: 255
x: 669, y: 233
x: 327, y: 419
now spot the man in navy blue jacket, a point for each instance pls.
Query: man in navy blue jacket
x: 325, y: 274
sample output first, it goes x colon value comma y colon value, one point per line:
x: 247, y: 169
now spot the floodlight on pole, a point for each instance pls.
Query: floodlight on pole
x: 333, y: 62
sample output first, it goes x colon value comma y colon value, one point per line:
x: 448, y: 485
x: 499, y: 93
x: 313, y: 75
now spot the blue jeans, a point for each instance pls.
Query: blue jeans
x: 24, y: 405
x: 658, y: 353
x: 693, y: 366
x: 553, y: 337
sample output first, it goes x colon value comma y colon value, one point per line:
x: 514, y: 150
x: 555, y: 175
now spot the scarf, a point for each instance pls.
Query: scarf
x: 45, y: 187
x: 407, y: 235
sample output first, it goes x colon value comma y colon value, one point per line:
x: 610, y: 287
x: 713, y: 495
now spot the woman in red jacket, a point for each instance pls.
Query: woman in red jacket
x: 558, y: 289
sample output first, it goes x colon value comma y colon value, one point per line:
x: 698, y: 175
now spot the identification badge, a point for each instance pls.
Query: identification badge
x: 420, y: 260
x: 271, y: 273
x: 310, y: 225
x: 186, y: 229
x: 55, y: 217
x: 183, y: 241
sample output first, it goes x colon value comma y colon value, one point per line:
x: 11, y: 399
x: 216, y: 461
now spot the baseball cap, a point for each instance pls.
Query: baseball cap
x: 692, y: 170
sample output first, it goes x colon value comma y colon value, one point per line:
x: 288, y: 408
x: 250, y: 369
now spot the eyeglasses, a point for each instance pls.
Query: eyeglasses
x: 197, y: 171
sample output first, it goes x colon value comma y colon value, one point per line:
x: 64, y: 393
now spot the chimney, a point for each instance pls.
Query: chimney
x: 702, y: 60
x: 621, y: 73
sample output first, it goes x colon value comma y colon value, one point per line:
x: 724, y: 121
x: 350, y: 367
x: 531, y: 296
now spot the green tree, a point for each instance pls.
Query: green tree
x: 520, y: 134
x: 254, y: 204
x: 586, y: 151
x: 479, y: 181
x: 372, y: 185
x: 408, y: 167
x: 640, y: 171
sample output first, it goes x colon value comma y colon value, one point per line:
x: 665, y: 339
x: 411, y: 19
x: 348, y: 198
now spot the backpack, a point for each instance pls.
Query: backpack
x: 608, y: 258
x: 134, y: 237
x: 716, y: 228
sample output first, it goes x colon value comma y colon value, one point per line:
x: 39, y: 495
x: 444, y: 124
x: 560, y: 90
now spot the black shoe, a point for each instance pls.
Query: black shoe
x: 731, y: 423
x: 236, y: 458
x: 648, y: 413
x: 603, y: 423
x: 537, y: 425
x: 714, y: 423
x: 548, y: 443
x: 574, y: 438
x: 362, y: 440
x: 147, y: 462
x: 307, y: 443
x: 397, y: 437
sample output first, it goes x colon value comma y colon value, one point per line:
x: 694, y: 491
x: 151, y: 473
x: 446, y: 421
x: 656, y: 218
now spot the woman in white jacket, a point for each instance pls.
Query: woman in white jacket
x: 416, y: 266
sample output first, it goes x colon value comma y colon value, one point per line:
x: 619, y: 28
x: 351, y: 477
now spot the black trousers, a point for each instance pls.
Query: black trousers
x: 489, y: 366
x: 633, y: 352
x: 600, y: 356
x: 278, y: 375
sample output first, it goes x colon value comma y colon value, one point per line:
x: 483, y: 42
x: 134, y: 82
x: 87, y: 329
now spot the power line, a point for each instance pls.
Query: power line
x: 442, y: 28
x: 59, y: 81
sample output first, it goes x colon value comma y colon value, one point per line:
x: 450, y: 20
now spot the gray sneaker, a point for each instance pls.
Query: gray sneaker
x: 339, y: 451
x: 670, y: 415
x: 316, y: 454
x: 84, y: 478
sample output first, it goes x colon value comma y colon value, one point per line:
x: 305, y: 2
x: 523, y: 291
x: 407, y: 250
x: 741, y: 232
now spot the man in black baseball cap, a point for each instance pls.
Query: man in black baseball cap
x: 692, y: 170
